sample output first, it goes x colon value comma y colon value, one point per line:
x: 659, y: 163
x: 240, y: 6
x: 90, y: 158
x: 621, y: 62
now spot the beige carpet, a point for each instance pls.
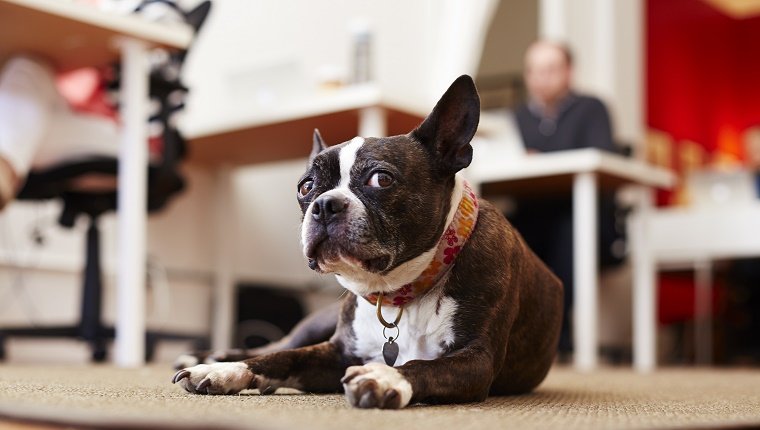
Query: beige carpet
x: 607, y: 399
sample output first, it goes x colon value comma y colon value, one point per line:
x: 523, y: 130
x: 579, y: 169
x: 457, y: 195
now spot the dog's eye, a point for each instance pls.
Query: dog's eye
x: 306, y: 187
x: 380, y: 180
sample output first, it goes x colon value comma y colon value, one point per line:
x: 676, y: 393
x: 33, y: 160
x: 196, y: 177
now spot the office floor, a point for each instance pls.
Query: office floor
x: 34, y: 397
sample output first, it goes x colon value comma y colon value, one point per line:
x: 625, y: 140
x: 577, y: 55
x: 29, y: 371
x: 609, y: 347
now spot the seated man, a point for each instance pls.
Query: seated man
x: 556, y: 118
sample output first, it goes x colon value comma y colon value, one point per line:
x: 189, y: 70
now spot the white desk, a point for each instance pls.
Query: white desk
x: 72, y: 36
x: 695, y: 237
x: 705, y: 233
x: 282, y: 132
x: 279, y: 133
x: 585, y: 171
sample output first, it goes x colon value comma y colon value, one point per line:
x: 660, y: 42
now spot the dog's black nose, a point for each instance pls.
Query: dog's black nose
x: 327, y: 207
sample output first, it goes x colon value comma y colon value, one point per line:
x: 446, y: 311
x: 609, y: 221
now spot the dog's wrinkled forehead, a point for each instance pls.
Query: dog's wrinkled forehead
x: 348, y: 162
x: 437, y: 149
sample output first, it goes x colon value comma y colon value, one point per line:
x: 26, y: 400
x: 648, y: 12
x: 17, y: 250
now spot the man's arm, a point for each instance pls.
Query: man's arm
x: 599, y: 130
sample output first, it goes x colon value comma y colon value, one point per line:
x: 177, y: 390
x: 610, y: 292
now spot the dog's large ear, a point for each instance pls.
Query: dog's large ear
x: 447, y: 131
x: 318, y: 145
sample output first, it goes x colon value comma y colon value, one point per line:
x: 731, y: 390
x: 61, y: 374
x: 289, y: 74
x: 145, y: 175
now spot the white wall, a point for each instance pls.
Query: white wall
x: 513, y: 28
x: 418, y: 48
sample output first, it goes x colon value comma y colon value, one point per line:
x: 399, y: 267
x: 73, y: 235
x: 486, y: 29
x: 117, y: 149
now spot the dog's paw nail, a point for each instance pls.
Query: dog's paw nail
x: 203, y: 386
x: 182, y: 374
x: 351, y: 373
x: 219, y: 378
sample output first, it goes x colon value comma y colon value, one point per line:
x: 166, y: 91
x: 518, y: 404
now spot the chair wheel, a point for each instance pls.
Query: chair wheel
x: 99, y: 353
x: 150, y: 350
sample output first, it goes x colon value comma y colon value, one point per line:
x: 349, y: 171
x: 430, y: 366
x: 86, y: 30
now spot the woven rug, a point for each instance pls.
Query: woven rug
x: 107, y: 397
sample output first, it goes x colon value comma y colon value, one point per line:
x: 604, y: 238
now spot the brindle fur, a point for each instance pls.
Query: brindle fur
x: 509, y: 304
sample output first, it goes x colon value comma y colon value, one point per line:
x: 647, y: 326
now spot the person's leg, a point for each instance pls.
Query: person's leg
x: 547, y: 228
x: 560, y: 259
x: 27, y: 97
x: 73, y: 136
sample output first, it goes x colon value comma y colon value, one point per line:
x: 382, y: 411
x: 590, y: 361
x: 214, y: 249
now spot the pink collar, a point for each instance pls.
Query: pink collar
x: 452, y: 241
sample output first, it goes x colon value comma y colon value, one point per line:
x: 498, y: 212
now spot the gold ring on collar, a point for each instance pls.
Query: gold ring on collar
x: 380, y: 313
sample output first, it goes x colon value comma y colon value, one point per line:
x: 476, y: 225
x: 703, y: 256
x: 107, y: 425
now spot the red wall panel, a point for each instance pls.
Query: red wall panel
x: 703, y: 73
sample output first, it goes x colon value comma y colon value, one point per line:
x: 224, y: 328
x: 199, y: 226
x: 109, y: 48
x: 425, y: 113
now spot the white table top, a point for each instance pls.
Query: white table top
x: 324, y: 102
x: 561, y: 163
x: 72, y: 35
x: 688, y: 234
x: 283, y: 131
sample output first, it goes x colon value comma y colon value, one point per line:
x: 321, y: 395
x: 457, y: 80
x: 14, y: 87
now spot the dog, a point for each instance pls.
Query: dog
x: 445, y: 302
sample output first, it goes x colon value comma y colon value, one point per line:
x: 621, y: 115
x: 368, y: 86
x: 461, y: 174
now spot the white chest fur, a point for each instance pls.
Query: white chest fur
x: 426, y: 327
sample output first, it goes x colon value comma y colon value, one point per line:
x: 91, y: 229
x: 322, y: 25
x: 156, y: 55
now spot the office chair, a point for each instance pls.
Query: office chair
x: 164, y: 182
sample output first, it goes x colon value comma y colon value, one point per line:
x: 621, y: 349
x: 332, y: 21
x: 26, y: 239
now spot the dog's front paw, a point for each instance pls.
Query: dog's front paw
x: 217, y: 378
x: 376, y: 385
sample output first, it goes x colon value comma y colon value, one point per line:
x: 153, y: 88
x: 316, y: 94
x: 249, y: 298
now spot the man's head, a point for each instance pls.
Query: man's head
x: 548, y: 71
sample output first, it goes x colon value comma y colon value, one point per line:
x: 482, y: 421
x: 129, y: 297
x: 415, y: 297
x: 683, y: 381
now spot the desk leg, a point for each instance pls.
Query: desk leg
x: 133, y: 159
x: 224, y: 282
x: 585, y: 267
x: 644, y: 286
x: 372, y: 122
x: 703, y: 344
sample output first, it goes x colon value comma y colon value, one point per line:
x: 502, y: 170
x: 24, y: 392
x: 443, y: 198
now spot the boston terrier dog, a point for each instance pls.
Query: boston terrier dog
x: 445, y: 302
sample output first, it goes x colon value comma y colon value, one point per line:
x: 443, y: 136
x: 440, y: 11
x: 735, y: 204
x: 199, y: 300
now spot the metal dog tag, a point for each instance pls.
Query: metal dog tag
x: 390, y: 351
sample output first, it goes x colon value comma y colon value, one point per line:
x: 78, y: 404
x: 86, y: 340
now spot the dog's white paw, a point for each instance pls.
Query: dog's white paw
x: 217, y: 378
x: 376, y: 385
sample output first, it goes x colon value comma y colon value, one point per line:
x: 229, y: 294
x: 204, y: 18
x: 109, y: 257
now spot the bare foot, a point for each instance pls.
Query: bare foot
x: 8, y: 183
